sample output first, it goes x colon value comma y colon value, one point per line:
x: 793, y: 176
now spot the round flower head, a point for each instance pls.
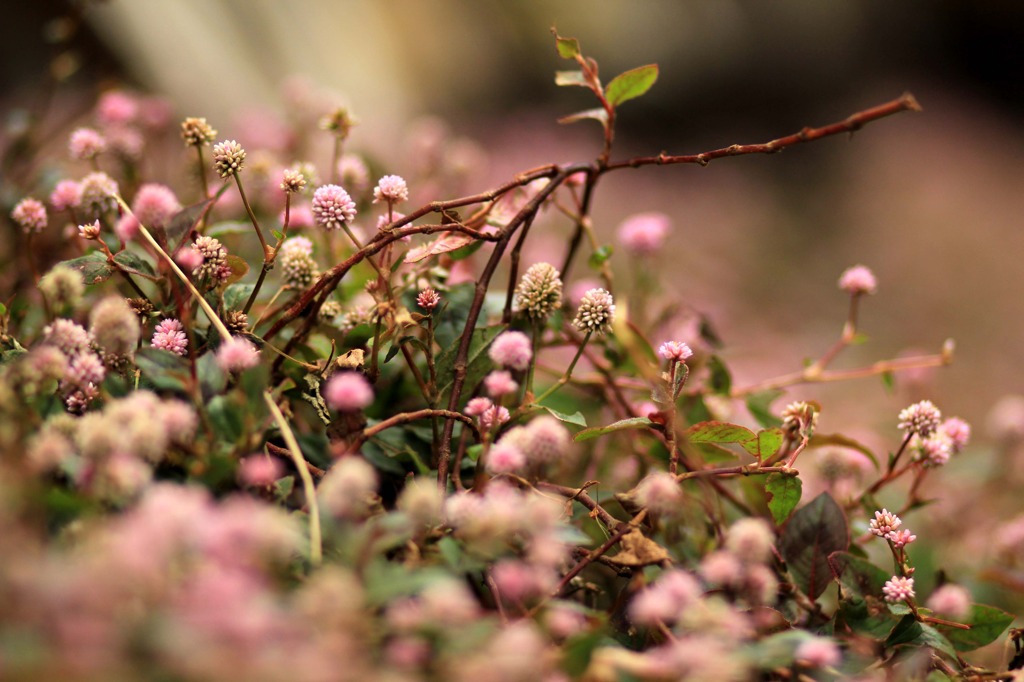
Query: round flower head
x: 428, y: 299
x: 85, y: 144
x: 936, y: 449
x: 539, y: 292
x: 196, y: 132
x: 644, y: 233
x: 884, y: 523
x: 858, y: 280
x: 353, y: 173
x: 116, y: 108
x: 951, y: 600
x: 499, y: 383
x: 215, y: 259
x: 62, y: 286
x: 66, y: 194
x: 898, y: 588
x: 237, y: 354
x: 228, y: 158
x: 293, y: 181
x: 170, y: 336
x: 505, y: 458
x: 660, y: 493
x: 595, y: 312
x: 30, y: 215
x: 259, y: 470
x: 675, y: 351
x: 391, y: 189
x: 348, y: 392
x: 297, y: 262
x: 900, y: 538
x: 818, y: 652
x: 114, y: 326
x: 98, y: 191
x: 155, y: 204
x: 921, y: 418
x: 959, y: 432
x: 332, y: 207
x: 512, y: 349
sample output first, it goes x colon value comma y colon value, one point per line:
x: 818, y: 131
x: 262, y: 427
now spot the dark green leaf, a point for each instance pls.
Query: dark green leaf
x: 720, y: 379
x: 478, y: 364
x: 571, y: 78
x: 598, y: 114
x: 236, y: 295
x: 859, y: 616
x: 621, y: 425
x: 93, y: 266
x: 719, y: 432
x: 631, y: 84
x: 987, y: 623
x: 759, y: 406
x: 859, y: 577
x: 783, y: 495
x: 133, y: 264
x: 163, y: 369
x: 907, y: 630
x: 813, y: 533
x: 932, y: 638
x: 181, y: 224
x: 574, y: 418
x: 227, y: 418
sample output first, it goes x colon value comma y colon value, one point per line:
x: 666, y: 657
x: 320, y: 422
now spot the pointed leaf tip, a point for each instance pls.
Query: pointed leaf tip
x: 631, y: 84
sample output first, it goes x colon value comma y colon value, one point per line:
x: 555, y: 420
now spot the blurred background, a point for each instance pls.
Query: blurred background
x: 930, y: 201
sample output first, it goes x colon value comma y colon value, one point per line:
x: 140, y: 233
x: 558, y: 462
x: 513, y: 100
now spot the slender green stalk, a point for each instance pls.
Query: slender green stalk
x: 568, y: 372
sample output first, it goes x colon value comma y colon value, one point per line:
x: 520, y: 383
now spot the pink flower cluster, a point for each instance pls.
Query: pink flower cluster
x: 348, y: 392
x: 512, y: 349
x: 333, y: 207
x: 170, y: 336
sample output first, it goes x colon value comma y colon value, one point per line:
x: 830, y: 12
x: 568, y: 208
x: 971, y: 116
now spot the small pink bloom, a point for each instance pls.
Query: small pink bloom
x: 89, y: 230
x: 390, y: 188
x: 884, y: 522
x: 959, y: 432
x: 499, y: 383
x: 116, y: 108
x: 512, y: 349
x: 644, y: 233
x: 428, y: 299
x: 858, y: 280
x: 259, y: 470
x: 497, y: 415
x: 505, y: 458
x: 675, y: 351
x: 66, y: 194
x: 86, y: 143
x: 126, y: 228
x: 819, y: 653
x: 952, y: 601
x: 30, y: 215
x: 921, y: 418
x: 900, y: 538
x: 898, y: 588
x: 333, y: 207
x: 170, y: 336
x: 660, y: 493
x: 155, y: 204
x: 188, y: 259
x: 237, y: 354
x: 477, y: 406
x: 348, y: 392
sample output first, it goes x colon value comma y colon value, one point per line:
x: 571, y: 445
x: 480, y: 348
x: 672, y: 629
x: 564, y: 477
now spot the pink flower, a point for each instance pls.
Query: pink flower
x: 428, y: 299
x: 116, y: 108
x: 155, y: 205
x: 936, y: 449
x: 237, y: 354
x: 89, y: 231
x: 675, y: 351
x: 259, y: 470
x: 951, y: 600
x: 898, y: 588
x: 348, y: 392
x: 188, y: 259
x: 499, y: 383
x: 921, y: 418
x: 884, y: 522
x: 858, y: 280
x: 30, y: 215
x: 660, y: 493
x: 299, y: 216
x: 86, y: 143
x: 332, y: 207
x: 959, y: 432
x: 644, y: 233
x: 126, y: 228
x: 505, y: 458
x: 512, y: 349
x: 818, y: 653
x: 900, y: 538
x: 390, y: 188
x: 66, y: 194
x: 477, y: 406
x: 170, y: 336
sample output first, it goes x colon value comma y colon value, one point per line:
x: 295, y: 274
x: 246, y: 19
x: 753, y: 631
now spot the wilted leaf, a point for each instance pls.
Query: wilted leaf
x: 631, y: 84
x: 813, y: 533
x: 449, y: 241
x: 639, y: 550
x: 598, y: 114
x: 621, y: 425
x: 783, y: 495
x: 571, y: 78
x: 239, y: 268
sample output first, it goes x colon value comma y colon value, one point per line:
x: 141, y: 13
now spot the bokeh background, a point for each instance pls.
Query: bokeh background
x: 930, y: 201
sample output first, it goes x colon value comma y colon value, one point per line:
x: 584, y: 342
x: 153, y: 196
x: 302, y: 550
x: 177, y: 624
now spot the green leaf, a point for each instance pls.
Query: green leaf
x: 860, y: 617
x: 888, y: 381
x: 987, y: 623
x: 783, y: 495
x: 599, y: 257
x: 229, y: 227
x: 598, y: 114
x: 813, y: 533
x: 621, y: 425
x: 906, y: 631
x: 133, y: 264
x: 932, y: 638
x: 859, y: 577
x: 568, y: 48
x: 571, y: 78
x: 759, y: 406
x: 766, y: 444
x: 236, y: 295
x: 478, y: 364
x: 283, y: 488
x: 93, y: 266
x: 720, y: 380
x: 631, y: 84
x: 462, y: 252
x: 226, y: 418
x: 163, y: 369
x: 574, y: 418
x: 719, y: 432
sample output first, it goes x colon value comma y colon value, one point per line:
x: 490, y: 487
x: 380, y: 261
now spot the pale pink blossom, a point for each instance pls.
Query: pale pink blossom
x: 675, y: 351
x: 900, y: 538
x: 858, y: 280
x: 333, y: 207
x: 512, y: 349
x: 391, y: 189
x: 30, y: 215
x: 428, y: 299
x: 952, y: 601
x: 499, y: 383
x: 170, y: 336
x: 818, y: 652
x: 86, y: 143
x: 922, y: 418
x: 959, y: 432
x: 259, y: 470
x: 155, y: 204
x: 884, y: 522
x: 348, y: 392
x: 660, y: 493
x: 898, y: 588
x: 644, y: 233
x: 237, y: 354
x: 116, y: 108
x: 66, y: 194
x: 505, y: 458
